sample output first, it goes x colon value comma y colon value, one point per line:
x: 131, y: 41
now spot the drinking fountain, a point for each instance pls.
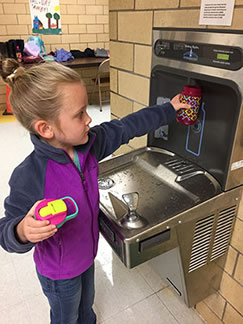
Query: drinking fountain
x: 132, y: 219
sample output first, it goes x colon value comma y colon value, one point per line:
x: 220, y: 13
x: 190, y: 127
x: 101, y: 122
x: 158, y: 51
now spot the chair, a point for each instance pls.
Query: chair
x: 103, y: 79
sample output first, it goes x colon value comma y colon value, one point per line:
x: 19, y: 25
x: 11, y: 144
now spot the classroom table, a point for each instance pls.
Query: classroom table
x: 84, y: 62
x: 75, y: 63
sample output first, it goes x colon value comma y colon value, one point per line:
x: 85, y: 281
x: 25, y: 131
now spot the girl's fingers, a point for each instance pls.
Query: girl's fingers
x: 37, y: 223
x: 41, y: 237
x: 185, y: 106
x: 42, y: 229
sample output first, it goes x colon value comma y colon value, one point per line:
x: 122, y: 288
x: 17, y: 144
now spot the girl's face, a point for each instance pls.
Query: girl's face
x: 73, y: 123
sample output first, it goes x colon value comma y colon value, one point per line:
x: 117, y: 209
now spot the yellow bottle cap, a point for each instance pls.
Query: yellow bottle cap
x: 53, y: 207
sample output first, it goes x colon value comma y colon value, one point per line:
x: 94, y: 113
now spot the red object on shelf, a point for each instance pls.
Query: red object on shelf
x: 9, y: 109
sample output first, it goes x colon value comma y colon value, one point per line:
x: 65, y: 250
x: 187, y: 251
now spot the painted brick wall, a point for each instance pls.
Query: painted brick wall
x: 84, y: 24
x: 131, y: 23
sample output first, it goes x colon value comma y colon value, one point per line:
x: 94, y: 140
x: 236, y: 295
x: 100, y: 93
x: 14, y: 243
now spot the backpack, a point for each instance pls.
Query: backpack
x: 3, y: 50
x: 12, y: 47
x: 34, y: 46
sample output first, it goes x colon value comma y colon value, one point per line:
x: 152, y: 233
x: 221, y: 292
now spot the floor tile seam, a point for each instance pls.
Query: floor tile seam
x: 199, y: 315
x: 196, y: 313
x: 157, y: 291
x: 168, y: 309
x: 213, y: 311
x: 150, y: 285
x: 130, y: 306
x: 15, y: 305
x: 139, y: 301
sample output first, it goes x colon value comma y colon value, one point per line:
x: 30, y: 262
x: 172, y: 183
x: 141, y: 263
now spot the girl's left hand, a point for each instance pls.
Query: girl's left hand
x: 177, y: 104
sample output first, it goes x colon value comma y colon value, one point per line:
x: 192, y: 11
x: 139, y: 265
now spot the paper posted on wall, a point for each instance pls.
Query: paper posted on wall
x: 45, y: 17
x: 216, y: 12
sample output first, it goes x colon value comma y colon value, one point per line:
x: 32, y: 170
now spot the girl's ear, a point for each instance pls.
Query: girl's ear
x: 44, y: 129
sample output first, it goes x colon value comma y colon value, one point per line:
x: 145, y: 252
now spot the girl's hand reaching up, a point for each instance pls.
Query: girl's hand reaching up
x: 177, y: 104
x: 32, y: 230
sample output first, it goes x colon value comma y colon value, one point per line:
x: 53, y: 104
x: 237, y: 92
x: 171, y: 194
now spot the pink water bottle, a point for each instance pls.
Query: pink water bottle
x: 191, y: 95
x: 57, y: 211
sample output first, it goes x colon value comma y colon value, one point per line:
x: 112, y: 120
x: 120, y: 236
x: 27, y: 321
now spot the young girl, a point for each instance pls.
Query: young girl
x: 50, y: 101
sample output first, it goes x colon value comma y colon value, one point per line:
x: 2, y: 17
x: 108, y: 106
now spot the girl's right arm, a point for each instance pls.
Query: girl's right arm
x: 19, y: 231
x: 19, y: 234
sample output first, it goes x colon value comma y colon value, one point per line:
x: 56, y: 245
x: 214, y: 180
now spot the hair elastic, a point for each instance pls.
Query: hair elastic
x: 12, y: 74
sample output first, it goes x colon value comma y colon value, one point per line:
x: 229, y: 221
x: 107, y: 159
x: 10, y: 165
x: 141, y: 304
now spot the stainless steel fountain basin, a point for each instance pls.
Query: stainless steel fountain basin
x: 167, y: 185
x: 172, y: 192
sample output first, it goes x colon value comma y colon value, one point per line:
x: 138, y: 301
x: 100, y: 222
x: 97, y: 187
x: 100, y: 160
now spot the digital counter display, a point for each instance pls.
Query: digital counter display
x: 221, y: 56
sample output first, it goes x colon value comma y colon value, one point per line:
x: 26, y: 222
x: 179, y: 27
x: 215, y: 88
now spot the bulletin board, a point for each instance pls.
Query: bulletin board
x: 45, y: 17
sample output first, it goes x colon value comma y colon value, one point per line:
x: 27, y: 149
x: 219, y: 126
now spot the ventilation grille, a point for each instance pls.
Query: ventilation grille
x: 201, y: 242
x: 211, y: 241
x: 223, y: 232
x: 180, y: 166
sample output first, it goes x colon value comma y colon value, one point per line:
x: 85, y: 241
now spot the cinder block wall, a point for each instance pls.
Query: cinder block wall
x: 84, y: 24
x: 131, y: 23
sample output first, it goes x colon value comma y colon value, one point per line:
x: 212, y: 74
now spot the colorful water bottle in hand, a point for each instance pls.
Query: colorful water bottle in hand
x: 192, y: 96
x: 57, y: 211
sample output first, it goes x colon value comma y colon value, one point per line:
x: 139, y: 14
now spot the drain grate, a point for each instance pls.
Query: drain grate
x: 180, y: 166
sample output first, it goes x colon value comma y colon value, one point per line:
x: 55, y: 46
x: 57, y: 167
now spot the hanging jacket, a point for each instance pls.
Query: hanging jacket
x: 48, y: 172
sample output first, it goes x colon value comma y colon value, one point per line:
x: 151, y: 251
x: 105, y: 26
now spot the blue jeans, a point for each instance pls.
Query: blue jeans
x: 70, y: 300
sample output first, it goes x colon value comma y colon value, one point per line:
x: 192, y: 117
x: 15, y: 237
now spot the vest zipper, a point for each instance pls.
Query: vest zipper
x: 81, y: 176
x: 78, y: 166
x: 60, y: 250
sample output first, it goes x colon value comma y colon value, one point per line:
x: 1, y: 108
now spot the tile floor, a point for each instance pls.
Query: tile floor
x: 122, y: 296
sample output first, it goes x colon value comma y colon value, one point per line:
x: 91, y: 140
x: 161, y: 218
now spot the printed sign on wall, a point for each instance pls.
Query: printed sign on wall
x: 216, y: 12
x: 45, y: 17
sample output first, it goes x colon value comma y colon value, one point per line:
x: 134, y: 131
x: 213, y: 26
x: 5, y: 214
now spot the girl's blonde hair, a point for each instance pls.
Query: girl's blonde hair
x: 35, y: 91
